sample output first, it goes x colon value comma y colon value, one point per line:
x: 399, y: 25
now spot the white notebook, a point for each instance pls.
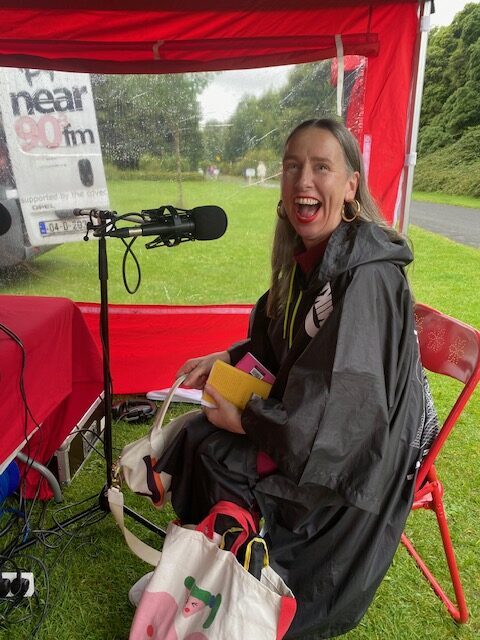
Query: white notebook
x: 182, y: 394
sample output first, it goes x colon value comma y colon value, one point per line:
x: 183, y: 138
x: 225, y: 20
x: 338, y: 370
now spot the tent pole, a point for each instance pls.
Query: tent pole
x: 413, y: 120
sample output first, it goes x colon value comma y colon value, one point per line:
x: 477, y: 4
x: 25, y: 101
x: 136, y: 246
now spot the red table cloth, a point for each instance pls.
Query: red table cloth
x: 62, y: 377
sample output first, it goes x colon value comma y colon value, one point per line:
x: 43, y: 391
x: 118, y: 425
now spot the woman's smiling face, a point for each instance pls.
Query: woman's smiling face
x: 315, y: 184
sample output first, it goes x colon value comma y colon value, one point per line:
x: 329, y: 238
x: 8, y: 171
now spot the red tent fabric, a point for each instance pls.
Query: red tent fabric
x: 140, y: 37
x: 148, y: 343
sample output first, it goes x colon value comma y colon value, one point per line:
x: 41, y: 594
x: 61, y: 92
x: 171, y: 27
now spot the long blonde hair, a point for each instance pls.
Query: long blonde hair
x: 286, y: 242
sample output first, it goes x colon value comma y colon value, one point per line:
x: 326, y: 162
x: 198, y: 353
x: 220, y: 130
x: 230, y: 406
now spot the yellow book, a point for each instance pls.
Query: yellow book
x: 235, y: 385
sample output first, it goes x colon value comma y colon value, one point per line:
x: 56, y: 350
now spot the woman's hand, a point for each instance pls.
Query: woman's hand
x: 197, y: 369
x: 225, y: 415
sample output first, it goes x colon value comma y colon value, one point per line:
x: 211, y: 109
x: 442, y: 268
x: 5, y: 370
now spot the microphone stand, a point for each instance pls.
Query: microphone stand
x: 104, y: 338
x: 102, y: 231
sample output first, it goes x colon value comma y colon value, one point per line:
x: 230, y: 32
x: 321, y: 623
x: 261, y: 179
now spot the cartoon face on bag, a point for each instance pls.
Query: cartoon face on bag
x: 163, y: 624
x: 192, y: 606
x: 166, y: 623
x: 198, y: 599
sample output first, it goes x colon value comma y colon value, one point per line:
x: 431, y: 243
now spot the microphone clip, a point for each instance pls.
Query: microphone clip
x: 100, y: 223
x: 103, y: 215
x: 169, y: 242
x: 176, y: 218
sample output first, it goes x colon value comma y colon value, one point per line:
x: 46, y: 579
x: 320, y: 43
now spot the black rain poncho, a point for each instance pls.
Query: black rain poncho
x: 341, y: 424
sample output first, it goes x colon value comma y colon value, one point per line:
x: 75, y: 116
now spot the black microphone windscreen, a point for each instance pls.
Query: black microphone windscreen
x: 5, y: 220
x: 210, y: 222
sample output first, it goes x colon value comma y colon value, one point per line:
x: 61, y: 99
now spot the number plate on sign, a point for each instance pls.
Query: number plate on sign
x: 58, y: 227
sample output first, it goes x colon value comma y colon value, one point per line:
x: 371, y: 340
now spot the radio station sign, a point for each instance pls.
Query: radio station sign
x: 52, y: 137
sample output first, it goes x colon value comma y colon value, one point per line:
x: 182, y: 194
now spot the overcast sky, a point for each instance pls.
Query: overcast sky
x: 222, y: 95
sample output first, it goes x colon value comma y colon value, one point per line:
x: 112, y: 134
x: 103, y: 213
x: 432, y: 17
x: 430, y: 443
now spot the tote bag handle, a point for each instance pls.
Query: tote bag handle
x: 116, y: 501
x: 244, y: 518
x: 152, y: 556
x: 160, y: 416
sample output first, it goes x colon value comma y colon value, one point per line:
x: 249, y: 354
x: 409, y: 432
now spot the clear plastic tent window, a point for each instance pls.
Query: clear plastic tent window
x: 128, y: 143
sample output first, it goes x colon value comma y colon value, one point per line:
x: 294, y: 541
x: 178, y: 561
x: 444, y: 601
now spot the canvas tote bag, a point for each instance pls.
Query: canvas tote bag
x: 200, y: 591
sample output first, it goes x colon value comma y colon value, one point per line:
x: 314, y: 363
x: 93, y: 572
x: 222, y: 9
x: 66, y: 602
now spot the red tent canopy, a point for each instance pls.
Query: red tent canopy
x: 140, y: 37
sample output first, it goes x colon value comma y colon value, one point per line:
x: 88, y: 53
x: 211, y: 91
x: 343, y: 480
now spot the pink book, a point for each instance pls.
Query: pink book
x: 251, y: 365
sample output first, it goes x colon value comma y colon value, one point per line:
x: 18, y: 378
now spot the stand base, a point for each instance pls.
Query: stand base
x: 101, y: 506
x: 60, y: 526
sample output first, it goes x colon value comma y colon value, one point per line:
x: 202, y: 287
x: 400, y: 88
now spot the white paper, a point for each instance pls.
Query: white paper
x: 182, y: 394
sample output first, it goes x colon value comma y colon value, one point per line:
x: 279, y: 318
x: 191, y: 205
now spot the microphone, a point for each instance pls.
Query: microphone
x: 201, y: 223
x: 5, y: 220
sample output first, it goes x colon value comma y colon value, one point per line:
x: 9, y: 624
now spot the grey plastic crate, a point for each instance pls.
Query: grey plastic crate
x: 78, y: 445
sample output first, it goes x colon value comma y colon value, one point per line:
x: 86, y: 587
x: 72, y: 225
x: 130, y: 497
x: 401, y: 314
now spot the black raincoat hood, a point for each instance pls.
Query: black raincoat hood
x: 355, y: 244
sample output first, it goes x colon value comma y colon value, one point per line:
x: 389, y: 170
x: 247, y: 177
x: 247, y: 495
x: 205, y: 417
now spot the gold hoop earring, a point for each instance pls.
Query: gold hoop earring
x: 357, y: 208
x: 281, y: 211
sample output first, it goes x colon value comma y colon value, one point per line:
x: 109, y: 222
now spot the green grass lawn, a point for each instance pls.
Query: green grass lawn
x: 233, y: 268
x: 90, y: 570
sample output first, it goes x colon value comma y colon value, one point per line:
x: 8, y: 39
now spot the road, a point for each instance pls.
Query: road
x: 457, y: 223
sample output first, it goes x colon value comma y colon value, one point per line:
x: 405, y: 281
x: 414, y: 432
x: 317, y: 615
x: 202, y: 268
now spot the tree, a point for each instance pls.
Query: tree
x: 179, y: 117
x: 155, y: 114
x: 452, y: 80
x: 437, y: 87
x: 308, y: 94
x: 248, y: 127
x: 461, y: 109
x: 261, y: 124
x: 214, y: 134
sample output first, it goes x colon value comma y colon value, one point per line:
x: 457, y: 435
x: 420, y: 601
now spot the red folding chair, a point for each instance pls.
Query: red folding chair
x: 452, y: 348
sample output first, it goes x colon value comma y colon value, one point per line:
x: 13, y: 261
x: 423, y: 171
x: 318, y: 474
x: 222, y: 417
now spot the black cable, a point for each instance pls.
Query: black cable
x: 109, y: 225
x: 11, y: 605
x: 91, y: 444
x: 64, y: 508
x: 12, y: 520
x: 128, y: 251
x: 18, y: 341
x: 11, y: 611
x: 27, y: 410
x: 7, y: 604
x: 21, y: 512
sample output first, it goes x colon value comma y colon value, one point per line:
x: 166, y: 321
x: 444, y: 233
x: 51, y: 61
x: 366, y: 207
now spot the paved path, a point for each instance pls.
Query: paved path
x: 457, y: 223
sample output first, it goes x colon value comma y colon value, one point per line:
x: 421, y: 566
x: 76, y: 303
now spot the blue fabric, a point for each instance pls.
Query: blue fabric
x: 9, y: 481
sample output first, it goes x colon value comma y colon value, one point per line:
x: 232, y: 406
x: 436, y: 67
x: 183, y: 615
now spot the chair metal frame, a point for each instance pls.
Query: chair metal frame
x: 449, y: 347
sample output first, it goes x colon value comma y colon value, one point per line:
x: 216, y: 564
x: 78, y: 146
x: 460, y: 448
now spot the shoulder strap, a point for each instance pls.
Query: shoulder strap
x: 141, y: 549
